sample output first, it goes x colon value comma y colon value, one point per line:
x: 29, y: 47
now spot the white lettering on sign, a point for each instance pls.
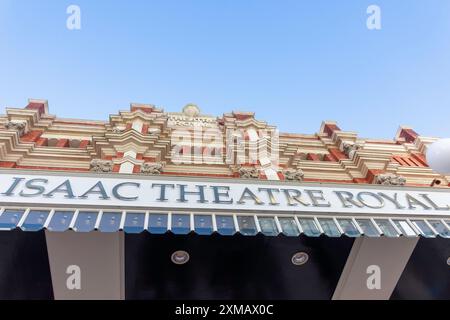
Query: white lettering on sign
x: 203, y: 194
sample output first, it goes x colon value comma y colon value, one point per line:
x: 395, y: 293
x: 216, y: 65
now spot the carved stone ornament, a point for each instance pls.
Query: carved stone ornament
x: 117, y: 129
x: 390, y: 179
x: 152, y: 168
x: 248, y: 173
x: 293, y: 174
x: 98, y: 165
x: 18, y: 126
x: 350, y: 148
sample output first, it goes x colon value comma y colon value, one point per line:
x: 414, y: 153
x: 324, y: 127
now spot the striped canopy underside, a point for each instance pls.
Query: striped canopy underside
x: 225, y: 224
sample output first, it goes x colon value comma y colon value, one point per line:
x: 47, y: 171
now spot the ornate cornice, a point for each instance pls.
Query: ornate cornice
x: 30, y: 137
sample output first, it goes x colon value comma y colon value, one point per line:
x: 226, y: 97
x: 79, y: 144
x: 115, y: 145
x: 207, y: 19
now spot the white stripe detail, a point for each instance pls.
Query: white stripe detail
x: 277, y: 223
x: 22, y: 219
x: 74, y: 218
x: 236, y: 224
x: 122, y: 220
x: 214, y: 222
x: 258, y: 227
x: 299, y: 226
x: 99, y: 218
x: 169, y: 221
x: 191, y: 221
x: 49, y: 218
x: 146, y: 218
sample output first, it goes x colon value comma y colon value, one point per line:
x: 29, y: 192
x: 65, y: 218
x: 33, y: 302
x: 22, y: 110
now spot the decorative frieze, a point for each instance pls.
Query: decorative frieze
x: 152, y: 168
x: 390, y: 179
x: 294, y: 174
x: 98, y: 165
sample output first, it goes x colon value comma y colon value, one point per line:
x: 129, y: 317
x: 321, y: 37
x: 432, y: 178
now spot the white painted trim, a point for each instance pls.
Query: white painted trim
x: 278, y: 224
x: 415, y: 228
x: 338, y: 226
x: 74, y: 219
x: 257, y: 226
x: 191, y: 222
x: 319, y: 226
x: 49, y: 218
x: 377, y: 227
x: 169, y: 221
x: 22, y: 219
x: 214, y: 222
x: 357, y: 226
x: 236, y: 223
x: 445, y: 224
x: 97, y: 221
x: 122, y: 220
x: 411, y: 226
x: 299, y: 226
x: 431, y: 227
x: 395, y: 227
x: 146, y: 219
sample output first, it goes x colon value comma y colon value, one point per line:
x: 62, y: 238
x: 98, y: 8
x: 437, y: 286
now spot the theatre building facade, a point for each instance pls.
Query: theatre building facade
x: 164, y: 205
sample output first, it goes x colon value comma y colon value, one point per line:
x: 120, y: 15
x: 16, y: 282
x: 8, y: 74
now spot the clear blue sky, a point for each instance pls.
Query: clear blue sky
x: 294, y: 63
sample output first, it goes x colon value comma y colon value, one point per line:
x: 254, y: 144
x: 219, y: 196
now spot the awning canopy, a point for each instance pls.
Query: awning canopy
x: 87, y: 220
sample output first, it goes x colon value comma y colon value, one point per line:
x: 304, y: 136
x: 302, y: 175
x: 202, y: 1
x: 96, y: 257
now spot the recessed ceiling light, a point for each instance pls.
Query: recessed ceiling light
x: 180, y: 257
x: 448, y: 261
x: 300, y: 258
